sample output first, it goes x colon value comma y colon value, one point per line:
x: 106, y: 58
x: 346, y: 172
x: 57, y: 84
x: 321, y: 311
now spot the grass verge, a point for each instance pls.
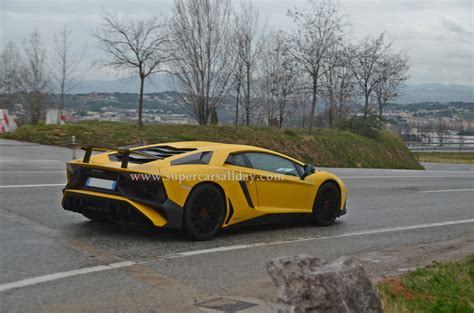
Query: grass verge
x: 440, y: 288
x: 325, y: 147
x: 440, y: 157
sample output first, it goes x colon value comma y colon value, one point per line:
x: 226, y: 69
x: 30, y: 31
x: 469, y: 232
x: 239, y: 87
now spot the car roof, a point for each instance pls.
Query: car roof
x: 217, y: 146
x: 209, y: 146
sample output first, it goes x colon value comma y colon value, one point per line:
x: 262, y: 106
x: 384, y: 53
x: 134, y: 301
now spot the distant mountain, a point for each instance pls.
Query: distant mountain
x: 436, y: 93
x: 162, y: 82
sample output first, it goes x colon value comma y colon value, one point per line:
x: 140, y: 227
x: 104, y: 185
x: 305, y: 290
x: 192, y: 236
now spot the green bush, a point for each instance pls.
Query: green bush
x: 368, y: 126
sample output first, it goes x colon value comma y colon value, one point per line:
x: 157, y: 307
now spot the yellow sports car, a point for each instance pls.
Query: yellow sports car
x: 200, y: 187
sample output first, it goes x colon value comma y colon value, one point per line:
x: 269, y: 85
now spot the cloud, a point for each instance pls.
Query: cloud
x: 455, y: 28
x: 437, y: 34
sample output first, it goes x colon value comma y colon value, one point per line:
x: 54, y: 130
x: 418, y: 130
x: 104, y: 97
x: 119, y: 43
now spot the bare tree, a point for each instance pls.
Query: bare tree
x: 247, y: 29
x: 393, y: 72
x: 368, y: 58
x: 66, y: 65
x: 329, y: 84
x: 299, y: 106
x: 10, y: 63
x: 238, y: 74
x: 203, y: 65
x: 345, y: 90
x: 34, y: 80
x: 338, y: 86
x: 278, y: 77
x: 135, y: 46
x: 317, y: 29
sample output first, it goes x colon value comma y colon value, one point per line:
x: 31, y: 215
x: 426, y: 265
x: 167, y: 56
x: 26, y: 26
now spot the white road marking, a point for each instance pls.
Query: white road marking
x: 446, y: 190
x: 350, y: 234
x: 32, y: 186
x: 31, y: 172
x: 378, y: 170
x: 411, y: 176
x: 18, y: 160
x: 56, y: 276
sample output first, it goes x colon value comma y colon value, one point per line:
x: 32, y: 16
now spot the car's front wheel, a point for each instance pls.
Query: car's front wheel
x: 327, y: 204
x: 204, y: 212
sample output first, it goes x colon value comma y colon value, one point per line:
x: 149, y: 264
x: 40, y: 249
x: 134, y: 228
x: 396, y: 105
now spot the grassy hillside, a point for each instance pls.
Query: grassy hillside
x: 325, y: 147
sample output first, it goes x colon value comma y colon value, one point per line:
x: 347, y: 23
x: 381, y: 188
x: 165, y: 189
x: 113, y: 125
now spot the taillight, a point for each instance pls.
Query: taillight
x: 72, y: 172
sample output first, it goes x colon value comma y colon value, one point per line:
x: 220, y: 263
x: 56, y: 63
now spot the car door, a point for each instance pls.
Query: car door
x: 279, y: 186
x: 243, y: 172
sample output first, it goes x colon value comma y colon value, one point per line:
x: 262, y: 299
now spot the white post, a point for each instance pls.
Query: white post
x: 73, y: 140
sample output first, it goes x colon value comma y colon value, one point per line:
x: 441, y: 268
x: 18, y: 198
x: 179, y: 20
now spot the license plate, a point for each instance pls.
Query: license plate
x: 101, y: 183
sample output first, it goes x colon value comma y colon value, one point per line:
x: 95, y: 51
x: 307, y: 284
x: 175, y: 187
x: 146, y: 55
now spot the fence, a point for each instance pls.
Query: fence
x: 459, y: 146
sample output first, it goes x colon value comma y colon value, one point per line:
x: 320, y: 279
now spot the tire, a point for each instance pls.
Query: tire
x: 326, y: 205
x: 204, y: 212
x: 95, y: 218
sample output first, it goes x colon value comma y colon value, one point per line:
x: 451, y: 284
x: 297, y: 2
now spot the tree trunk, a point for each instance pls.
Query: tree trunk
x: 34, y: 116
x: 34, y: 99
x: 341, y: 100
x: 61, y: 104
x: 330, y: 113
x: 381, y: 104
x: 236, y: 122
x: 281, y: 113
x: 247, y: 99
x: 313, y: 102
x: 140, y: 103
x: 366, y: 105
x: 202, y: 112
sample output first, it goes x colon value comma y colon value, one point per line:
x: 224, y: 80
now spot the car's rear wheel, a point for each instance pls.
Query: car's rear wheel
x: 204, y: 212
x: 95, y: 218
x: 327, y: 204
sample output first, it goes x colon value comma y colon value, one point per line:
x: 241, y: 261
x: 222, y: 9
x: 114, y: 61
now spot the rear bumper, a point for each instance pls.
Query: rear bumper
x: 122, y: 210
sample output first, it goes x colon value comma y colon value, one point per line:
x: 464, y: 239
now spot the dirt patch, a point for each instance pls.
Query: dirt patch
x: 396, y: 287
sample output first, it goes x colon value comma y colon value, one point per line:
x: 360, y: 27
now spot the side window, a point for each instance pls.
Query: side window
x: 238, y: 160
x: 272, y: 163
x: 299, y: 168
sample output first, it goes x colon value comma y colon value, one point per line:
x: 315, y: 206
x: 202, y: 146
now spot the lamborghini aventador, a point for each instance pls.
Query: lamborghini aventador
x: 200, y: 187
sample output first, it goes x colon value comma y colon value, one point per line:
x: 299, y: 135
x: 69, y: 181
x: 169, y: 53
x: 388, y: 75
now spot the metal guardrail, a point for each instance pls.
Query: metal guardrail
x: 440, y: 147
x: 448, y: 143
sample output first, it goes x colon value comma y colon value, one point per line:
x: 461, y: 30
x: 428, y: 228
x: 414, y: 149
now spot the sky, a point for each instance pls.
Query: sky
x: 438, y: 35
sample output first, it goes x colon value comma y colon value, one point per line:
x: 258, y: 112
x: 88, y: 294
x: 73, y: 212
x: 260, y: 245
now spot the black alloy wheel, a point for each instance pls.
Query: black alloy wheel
x: 204, y: 212
x: 327, y: 204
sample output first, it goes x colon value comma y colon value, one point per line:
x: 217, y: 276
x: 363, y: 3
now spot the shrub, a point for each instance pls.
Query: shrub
x: 367, y: 126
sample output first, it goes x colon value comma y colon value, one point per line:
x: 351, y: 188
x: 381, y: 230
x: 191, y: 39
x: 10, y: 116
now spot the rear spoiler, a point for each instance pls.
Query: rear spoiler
x: 125, y: 151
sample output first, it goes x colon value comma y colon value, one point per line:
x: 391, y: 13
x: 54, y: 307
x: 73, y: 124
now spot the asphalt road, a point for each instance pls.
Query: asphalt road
x: 52, y: 260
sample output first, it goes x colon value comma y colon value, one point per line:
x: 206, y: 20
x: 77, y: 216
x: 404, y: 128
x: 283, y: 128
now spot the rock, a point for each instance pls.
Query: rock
x: 307, y: 284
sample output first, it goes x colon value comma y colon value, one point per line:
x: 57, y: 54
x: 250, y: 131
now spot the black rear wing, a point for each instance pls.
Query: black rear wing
x: 124, y: 151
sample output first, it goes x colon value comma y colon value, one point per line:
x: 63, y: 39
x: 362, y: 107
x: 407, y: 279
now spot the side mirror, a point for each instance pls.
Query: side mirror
x: 308, y: 169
